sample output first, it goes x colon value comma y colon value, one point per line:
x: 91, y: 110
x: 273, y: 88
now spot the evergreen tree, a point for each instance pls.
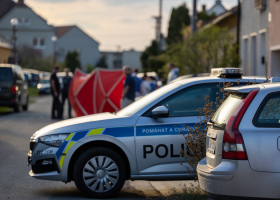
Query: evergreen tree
x: 72, y: 61
x: 179, y: 19
x: 151, y: 50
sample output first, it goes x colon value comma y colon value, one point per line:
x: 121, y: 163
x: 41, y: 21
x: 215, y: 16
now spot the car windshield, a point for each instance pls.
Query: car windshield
x: 223, y: 114
x: 6, y: 74
x: 146, y: 100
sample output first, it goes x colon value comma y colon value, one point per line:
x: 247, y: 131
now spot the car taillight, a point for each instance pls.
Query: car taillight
x: 233, y: 144
x: 14, y: 89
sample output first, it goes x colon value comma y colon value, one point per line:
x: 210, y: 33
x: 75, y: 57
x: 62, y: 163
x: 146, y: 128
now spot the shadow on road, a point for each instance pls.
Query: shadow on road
x: 73, y: 193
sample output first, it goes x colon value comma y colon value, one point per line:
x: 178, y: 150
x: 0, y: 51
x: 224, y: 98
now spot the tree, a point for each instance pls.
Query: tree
x: 33, y: 59
x: 207, y: 48
x: 204, y: 16
x: 72, y: 61
x: 179, y: 19
x: 151, y: 50
x: 102, y: 62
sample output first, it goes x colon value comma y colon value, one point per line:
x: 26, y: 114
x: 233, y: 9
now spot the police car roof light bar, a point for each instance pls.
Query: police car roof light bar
x: 228, y: 72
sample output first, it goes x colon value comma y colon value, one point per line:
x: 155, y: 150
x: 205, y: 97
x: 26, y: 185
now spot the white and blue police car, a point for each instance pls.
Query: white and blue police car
x: 140, y: 142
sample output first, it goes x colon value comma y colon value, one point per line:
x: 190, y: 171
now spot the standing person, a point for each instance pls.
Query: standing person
x: 145, y: 86
x: 173, y: 72
x: 65, y: 91
x: 128, y: 95
x: 137, y: 82
x: 55, y: 90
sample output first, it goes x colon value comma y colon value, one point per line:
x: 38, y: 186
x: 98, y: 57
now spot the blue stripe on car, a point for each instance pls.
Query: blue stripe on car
x: 120, y: 131
x: 79, y: 135
x: 60, y: 150
x: 172, y: 129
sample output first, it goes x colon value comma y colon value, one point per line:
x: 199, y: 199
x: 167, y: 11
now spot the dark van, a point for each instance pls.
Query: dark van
x: 13, y: 88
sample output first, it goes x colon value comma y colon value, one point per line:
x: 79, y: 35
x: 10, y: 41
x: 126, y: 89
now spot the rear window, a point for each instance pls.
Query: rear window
x: 6, y: 74
x: 268, y: 115
x: 222, y: 115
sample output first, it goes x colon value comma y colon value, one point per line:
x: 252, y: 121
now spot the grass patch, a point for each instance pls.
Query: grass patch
x: 188, y: 193
x: 33, y: 92
x: 31, y: 101
x: 5, y: 109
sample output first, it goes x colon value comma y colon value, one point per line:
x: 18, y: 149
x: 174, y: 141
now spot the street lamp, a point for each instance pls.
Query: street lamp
x: 14, y: 23
x: 54, y: 39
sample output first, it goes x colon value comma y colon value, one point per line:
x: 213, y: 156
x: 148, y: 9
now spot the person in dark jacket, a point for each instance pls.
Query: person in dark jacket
x: 55, y: 90
x: 65, y: 91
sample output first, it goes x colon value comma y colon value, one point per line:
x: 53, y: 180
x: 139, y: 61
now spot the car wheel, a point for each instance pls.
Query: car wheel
x: 99, y: 173
x: 25, y: 107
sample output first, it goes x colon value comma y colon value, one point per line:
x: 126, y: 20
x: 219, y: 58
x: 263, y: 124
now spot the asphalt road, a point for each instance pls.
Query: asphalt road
x: 15, y: 183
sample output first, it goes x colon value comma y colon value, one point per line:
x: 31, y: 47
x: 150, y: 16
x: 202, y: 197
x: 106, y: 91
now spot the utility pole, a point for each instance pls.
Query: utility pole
x: 238, y: 26
x: 194, y: 16
x: 158, y: 24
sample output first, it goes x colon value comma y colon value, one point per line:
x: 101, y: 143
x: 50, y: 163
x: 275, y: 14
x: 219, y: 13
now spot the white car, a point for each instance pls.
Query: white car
x: 140, y: 142
x: 243, y: 145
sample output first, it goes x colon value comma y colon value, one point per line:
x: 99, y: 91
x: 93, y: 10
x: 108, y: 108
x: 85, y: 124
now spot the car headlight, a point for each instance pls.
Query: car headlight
x: 53, y: 140
x: 39, y: 86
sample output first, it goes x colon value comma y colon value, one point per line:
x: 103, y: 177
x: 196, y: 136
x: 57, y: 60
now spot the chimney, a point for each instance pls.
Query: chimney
x: 20, y: 1
x: 204, y: 8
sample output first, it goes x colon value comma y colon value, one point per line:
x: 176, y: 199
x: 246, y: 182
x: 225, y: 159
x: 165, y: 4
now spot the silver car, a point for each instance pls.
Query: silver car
x: 243, y: 145
x: 141, y: 142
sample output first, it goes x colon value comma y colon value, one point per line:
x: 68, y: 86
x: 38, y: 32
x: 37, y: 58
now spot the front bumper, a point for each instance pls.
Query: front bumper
x: 44, y: 164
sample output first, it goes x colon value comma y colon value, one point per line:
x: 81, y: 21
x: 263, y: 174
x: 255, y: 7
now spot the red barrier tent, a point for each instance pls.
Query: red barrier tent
x: 97, y: 92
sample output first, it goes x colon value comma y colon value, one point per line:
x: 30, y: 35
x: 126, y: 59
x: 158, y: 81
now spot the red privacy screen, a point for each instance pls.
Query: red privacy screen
x: 97, y: 92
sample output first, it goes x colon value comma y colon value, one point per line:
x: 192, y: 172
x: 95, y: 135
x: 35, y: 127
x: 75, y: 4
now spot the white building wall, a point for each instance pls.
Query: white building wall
x: 132, y: 58
x: 75, y: 39
x: 253, y: 39
x: 38, y: 28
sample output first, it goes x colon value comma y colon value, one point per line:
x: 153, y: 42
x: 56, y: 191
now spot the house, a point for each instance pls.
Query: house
x: 116, y: 59
x: 253, y: 36
x: 228, y: 20
x: 5, y: 49
x: 72, y: 38
x: 273, y: 50
x: 217, y: 8
x: 32, y: 29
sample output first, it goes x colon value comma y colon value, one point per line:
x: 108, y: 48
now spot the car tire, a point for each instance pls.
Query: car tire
x: 99, y: 173
x: 25, y: 107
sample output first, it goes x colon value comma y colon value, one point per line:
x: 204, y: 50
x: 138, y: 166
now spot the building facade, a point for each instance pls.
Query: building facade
x: 5, y: 49
x: 72, y: 38
x: 253, y: 33
x: 273, y: 49
x: 32, y: 30
x: 116, y: 60
x: 217, y: 8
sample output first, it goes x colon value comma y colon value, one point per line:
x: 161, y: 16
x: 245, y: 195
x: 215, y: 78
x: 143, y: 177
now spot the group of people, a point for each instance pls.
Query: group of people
x: 135, y: 87
x: 56, y: 91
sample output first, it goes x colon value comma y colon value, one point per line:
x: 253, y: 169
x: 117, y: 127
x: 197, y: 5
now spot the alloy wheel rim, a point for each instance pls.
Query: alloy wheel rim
x: 100, y: 174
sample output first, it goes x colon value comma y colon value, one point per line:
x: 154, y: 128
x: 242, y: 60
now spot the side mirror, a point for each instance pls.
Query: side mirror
x: 160, y: 111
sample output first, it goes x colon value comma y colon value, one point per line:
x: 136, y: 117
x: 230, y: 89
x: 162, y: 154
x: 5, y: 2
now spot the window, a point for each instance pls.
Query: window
x: 39, y: 43
x: 268, y: 115
x: 23, y: 21
x: 42, y: 42
x: 35, y: 42
x: 260, y: 5
x: 186, y: 102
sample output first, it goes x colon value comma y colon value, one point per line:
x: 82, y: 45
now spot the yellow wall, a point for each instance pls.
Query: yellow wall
x: 4, y: 54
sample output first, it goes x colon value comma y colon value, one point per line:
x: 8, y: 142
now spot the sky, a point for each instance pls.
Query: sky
x: 124, y: 23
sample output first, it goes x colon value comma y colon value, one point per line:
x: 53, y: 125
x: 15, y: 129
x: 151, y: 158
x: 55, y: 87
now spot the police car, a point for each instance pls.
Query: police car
x: 140, y: 142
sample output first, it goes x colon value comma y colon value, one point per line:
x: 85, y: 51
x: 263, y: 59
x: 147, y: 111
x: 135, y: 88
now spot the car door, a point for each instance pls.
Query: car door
x: 159, y: 141
x: 261, y: 133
